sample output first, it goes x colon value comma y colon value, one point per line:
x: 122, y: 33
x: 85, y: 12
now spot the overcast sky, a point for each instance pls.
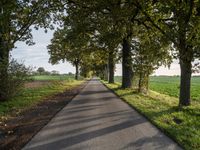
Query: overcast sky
x: 37, y: 56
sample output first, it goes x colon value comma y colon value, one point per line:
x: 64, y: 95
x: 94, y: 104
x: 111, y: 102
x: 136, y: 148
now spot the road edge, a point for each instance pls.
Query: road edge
x: 84, y: 84
x: 141, y: 113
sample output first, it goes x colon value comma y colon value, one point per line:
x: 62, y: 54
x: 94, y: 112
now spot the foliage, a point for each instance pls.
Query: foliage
x: 20, y: 15
x: 67, y: 45
x: 41, y: 70
x: 161, y: 24
x: 150, y: 51
x: 106, y: 22
x: 70, y: 73
x: 162, y: 111
x: 171, y: 24
x: 54, y: 72
x: 174, y: 19
x: 16, y: 18
x: 17, y: 75
x: 179, y: 23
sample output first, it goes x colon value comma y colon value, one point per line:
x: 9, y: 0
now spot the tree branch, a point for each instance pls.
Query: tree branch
x: 137, y: 4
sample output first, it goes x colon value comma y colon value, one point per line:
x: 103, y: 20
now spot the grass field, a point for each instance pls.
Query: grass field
x: 180, y: 124
x: 52, y: 77
x: 169, y: 85
x: 31, y: 96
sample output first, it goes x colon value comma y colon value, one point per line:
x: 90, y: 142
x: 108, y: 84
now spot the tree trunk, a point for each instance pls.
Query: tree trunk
x: 77, y: 71
x: 185, y: 82
x: 5, y: 47
x: 106, y: 73
x: 4, y: 62
x: 127, y: 73
x: 140, y: 82
x: 111, y: 67
x: 185, y: 58
x: 143, y: 84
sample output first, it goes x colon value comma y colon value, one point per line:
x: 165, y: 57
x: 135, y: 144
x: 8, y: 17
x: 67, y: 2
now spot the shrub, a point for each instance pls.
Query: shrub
x: 12, y: 82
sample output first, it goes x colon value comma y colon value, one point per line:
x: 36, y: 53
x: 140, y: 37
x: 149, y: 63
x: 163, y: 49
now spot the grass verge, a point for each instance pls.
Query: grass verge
x: 181, y: 125
x: 170, y: 85
x: 30, y: 97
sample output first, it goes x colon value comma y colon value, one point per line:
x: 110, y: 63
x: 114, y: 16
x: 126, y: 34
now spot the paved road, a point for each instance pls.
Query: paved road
x: 98, y: 120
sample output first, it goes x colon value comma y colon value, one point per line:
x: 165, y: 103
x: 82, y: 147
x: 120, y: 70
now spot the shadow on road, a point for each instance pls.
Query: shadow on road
x: 98, y: 117
x: 64, y: 141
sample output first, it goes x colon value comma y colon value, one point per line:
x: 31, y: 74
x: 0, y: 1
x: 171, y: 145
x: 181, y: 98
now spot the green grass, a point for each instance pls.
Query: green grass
x: 52, y: 77
x: 30, y: 97
x: 169, y: 85
x: 182, y: 125
x: 118, y: 78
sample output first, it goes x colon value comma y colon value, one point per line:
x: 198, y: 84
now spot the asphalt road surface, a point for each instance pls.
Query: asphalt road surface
x: 96, y: 119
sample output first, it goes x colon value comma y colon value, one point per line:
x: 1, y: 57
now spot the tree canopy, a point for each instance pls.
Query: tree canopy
x: 150, y: 34
x: 94, y: 35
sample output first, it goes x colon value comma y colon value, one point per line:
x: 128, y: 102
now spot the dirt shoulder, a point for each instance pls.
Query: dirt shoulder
x: 37, y: 84
x: 18, y: 130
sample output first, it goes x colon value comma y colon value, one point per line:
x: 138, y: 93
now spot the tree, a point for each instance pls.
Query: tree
x: 179, y: 23
x: 66, y: 45
x: 109, y: 40
x: 86, y: 66
x: 109, y: 15
x: 17, y: 75
x: 150, y: 50
x: 70, y: 73
x: 54, y: 72
x: 100, y: 63
x: 41, y: 70
x: 16, y: 18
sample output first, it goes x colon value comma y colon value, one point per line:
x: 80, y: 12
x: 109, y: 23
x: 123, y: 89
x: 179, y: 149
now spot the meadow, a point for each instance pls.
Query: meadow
x: 169, y: 85
x: 52, y: 77
x: 36, y: 91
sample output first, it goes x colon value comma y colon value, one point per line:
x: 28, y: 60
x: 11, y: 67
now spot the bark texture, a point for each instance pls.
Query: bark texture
x: 185, y: 58
x: 77, y: 69
x: 143, y: 83
x: 4, y: 62
x: 105, y: 73
x: 127, y: 73
x: 185, y: 83
x: 77, y: 72
x: 111, y: 67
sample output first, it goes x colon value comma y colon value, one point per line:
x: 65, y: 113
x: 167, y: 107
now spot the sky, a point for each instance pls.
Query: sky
x: 37, y: 56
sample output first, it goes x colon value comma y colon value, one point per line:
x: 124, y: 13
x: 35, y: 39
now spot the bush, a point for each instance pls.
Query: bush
x: 13, y: 79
